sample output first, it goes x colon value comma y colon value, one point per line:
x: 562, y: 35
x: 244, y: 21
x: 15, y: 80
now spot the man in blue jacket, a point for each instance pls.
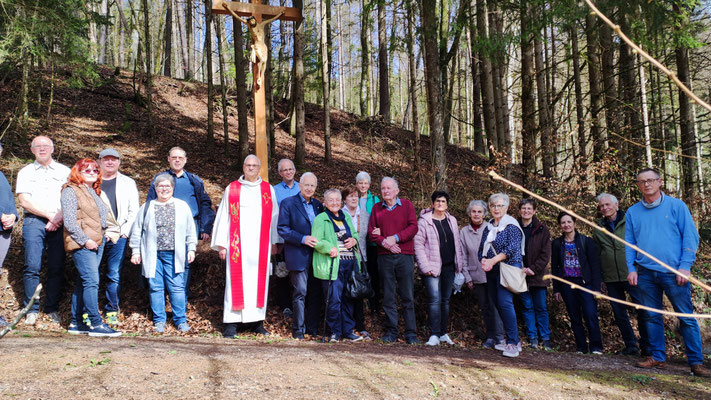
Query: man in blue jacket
x: 296, y: 214
x: 189, y: 188
x: 662, y: 226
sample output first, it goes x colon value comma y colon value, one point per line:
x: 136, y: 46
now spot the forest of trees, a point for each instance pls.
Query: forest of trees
x: 543, y: 89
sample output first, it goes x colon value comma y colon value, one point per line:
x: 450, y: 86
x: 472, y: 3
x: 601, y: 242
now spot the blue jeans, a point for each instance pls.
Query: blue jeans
x: 535, y: 313
x: 299, y: 280
x: 397, y: 276
x: 652, y: 285
x: 339, y: 314
x: 504, y: 304
x: 622, y: 319
x: 582, y: 305
x: 439, y: 290
x: 86, y: 289
x: 113, y: 254
x: 36, y: 239
x: 166, y: 278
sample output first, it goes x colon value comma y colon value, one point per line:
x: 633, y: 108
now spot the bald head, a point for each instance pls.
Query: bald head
x: 42, y: 147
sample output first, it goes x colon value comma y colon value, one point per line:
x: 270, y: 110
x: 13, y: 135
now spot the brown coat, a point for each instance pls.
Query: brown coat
x: 538, y: 253
x: 88, y: 218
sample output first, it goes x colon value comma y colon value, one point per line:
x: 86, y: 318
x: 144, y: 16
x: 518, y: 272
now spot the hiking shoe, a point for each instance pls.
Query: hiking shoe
x: 388, y: 339
x: 333, y: 338
x: 184, y: 327
x: 54, y: 317
x: 230, y: 331
x: 159, y: 327
x: 259, y: 329
x: 511, y: 350
x: 547, y: 346
x: 30, y: 318
x: 533, y: 343
x: 112, y: 318
x: 434, y: 341
x: 352, y: 337
x: 489, y: 344
x: 365, y: 335
x: 446, y: 339
x: 650, y: 362
x: 78, y: 329
x: 103, y: 330
x: 700, y: 370
x: 412, y: 340
x: 629, y: 351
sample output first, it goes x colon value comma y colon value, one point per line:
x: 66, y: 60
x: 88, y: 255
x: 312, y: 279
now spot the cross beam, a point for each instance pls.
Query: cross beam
x: 250, y: 9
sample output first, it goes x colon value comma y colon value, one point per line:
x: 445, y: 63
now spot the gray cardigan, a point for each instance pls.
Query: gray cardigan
x: 470, y: 245
x: 145, y: 242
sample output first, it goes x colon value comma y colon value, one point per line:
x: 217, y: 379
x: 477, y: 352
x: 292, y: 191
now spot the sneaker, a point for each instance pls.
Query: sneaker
x: 547, y: 346
x: 533, y: 343
x: 159, y: 327
x: 388, y: 339
x: 112, y: 318
x: 629, y: 351
x: 103, y: 330
x: 78, y: 329
x: 85, y: 318
x: 352, y: 337
x: 184, y: 327
x: 259, y: 329
x: 30, y: 318
x: 650, y: 362
x: 489, y: 344
x: 501, y: 346
x: 333, y: 338
x: 434, y: 341
x: 699, y: 370
x: 230, y: 331
x: 366, y: 335
x: 597, y: 352
x: 287, y: 313
x: 412, y: 340
x: 446, y: 339
x: 511, y: 350
x: 54, y: 317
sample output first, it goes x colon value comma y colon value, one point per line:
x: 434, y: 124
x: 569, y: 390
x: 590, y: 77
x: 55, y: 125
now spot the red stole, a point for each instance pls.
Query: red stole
x: 235, y: 250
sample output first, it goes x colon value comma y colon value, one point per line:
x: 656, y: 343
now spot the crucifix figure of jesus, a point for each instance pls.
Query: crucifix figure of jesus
x: 257, y: 17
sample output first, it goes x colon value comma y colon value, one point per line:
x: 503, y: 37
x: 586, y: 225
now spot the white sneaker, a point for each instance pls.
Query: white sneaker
x: 54, y: 317
x: 31, y: 318
x: 520, y: 348
x: 501, y: 346
x: 434, y: 341
x: 446, y: 339
x: 511, y: 351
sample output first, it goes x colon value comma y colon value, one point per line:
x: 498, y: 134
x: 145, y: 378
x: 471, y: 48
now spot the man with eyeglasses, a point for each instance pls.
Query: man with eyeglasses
x: 189, y: 188
x: 38, y: 189
x: 662, y: 226
x: 123, y: 201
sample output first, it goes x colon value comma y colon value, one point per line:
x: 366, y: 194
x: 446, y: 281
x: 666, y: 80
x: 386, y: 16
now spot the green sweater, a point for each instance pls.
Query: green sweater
x: 612, y: 253
x: 322, y: 230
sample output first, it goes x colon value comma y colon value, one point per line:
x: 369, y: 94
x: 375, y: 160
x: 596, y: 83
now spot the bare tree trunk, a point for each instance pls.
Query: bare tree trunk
x: 210, y: 86
x: 383, y: 71
x: 103, y: 11
x: 149, y: 70
x: 496, y: 69
x: 579, y: 112
x: 240, y: 78
x: 609, y: 88
x: 645, y: 117
x: 477, y: 122
x: 365, y: 97
x: 190, y: 68
x: 341, y: 72
x: 528, y: 118
x: 268, y: 92
x: 326, y: 80
x: 299, y: 113
x: 411, y: 39
x: 223, y: 87
x: 486, y: 78
x: 168, y: 38
x: 433, y: 85
x: 688, y: 139
x: 596, y: 102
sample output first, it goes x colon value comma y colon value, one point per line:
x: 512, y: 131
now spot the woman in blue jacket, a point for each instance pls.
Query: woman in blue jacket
x: 576, y: 258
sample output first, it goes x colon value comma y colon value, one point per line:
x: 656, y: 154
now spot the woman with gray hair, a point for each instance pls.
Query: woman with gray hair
x: 366, y: 201
x: 502, y: 241
x: 163, y: 240
x: 471, y: 236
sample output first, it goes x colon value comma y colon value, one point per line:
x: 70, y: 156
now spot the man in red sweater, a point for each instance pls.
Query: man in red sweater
x: 393, y: 225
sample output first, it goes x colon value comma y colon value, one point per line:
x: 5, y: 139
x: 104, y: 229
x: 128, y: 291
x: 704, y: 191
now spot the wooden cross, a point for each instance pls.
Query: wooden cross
x: 259, y: 16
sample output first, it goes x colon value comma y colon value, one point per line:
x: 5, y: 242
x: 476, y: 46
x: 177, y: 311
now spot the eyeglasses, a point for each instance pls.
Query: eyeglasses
x: 497, y: 206
x: 645, y: 182
x: 164, y: 187
x: 90, y: 171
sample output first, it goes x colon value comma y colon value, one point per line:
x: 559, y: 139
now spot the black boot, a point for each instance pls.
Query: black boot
x: 230, y: 331
x: 259, y: 329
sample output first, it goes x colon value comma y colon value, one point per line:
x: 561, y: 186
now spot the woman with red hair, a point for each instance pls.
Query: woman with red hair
x: 86, y: 218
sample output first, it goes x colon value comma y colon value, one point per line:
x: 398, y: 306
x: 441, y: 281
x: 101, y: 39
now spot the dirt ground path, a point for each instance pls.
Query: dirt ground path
x: 55, y: 366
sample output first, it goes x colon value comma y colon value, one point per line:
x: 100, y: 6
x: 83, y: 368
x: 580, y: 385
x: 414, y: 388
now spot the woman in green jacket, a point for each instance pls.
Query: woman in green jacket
x: 334, y: 258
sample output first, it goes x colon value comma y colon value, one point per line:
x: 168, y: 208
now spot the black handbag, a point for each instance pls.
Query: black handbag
x: 358, y: 286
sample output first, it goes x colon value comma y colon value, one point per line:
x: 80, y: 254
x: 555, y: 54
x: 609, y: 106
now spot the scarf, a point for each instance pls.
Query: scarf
x: 494, y: 230
x: 341, y: 217
x: 653, y: 204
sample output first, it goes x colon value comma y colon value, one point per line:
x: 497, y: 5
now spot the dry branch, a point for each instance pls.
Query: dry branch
x: 35, y: 297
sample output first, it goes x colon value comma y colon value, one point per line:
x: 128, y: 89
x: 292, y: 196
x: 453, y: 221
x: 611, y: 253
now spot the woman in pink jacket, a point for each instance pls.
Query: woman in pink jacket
x: 439, y: 256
